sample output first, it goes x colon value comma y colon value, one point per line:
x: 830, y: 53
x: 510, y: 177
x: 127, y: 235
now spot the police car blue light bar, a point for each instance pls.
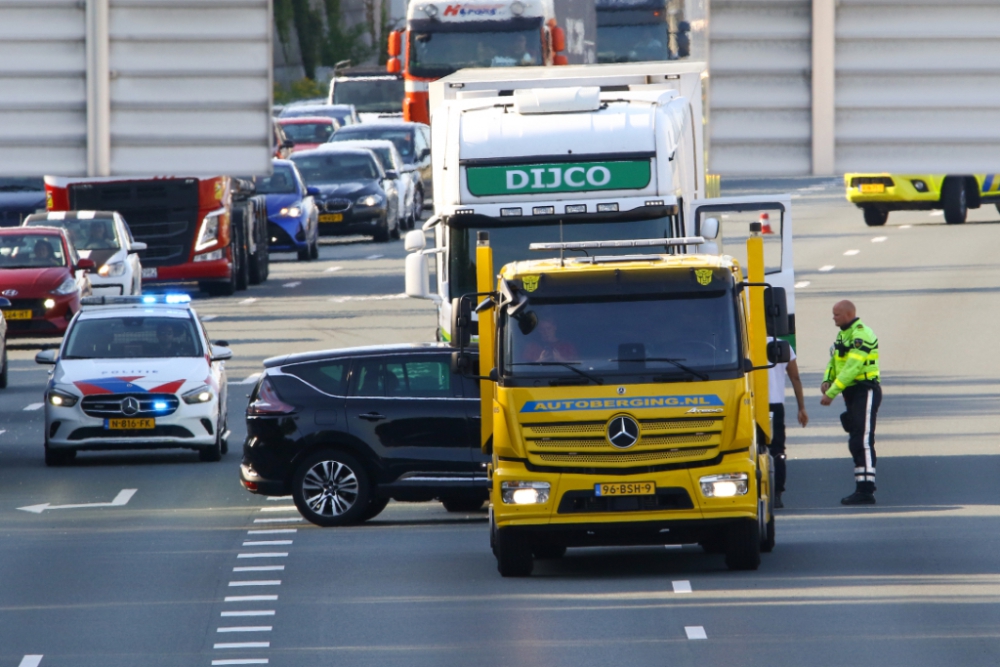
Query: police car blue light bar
x: 635, y: 243
x: 146, y: 299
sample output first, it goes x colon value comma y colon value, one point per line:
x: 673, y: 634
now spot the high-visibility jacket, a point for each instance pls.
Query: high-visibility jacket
x: 853, y: 358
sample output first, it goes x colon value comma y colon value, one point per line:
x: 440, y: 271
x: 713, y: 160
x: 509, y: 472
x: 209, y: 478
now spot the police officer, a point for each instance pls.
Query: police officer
x: 853, y: 371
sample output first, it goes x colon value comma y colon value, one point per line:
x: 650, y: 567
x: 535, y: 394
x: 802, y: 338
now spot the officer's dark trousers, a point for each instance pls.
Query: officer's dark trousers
x: 777, y: 446
x: 863, y: 401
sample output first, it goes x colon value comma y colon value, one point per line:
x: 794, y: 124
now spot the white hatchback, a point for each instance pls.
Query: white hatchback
x: 104, y: 238
x: 136, y: 373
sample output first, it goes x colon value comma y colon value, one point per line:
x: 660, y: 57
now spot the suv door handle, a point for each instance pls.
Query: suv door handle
x: 371, y: 416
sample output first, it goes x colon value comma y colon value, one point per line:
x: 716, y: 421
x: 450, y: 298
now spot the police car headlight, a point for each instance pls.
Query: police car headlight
x: 525, y: 493
x: 61, y: 399
x: 725, y: 486
x: 202, y: 394
x: 67, y: 286
x: 112, y: 269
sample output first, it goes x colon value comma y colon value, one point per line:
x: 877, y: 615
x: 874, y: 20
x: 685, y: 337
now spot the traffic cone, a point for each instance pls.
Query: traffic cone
x: 765, y: 224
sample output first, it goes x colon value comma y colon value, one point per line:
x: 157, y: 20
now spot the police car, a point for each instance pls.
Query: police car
x: 136, y: 372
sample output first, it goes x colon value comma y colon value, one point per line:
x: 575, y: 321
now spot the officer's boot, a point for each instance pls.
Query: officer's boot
x: 864, y: 494
x: 777, y: 502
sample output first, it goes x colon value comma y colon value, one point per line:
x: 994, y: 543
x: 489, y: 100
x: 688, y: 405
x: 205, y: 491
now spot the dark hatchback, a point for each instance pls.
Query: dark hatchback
x: 345, y: 431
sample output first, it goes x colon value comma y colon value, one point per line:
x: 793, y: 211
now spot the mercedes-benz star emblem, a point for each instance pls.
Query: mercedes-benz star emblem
x: 130, y: 406
x: 623, y: 432
x: 9, y: 292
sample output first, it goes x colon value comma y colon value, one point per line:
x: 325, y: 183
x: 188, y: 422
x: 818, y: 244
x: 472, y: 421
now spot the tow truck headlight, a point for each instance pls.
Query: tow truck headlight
x: 112, y: 269
x: 61, y: 399
x: 525, y: 493
x: 67, y: 286
x: 724, y: 486
x: 291, y: 211
x: 200, y: 395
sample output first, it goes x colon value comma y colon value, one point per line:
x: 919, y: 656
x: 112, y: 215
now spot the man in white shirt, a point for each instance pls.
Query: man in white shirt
x: 776, y: 392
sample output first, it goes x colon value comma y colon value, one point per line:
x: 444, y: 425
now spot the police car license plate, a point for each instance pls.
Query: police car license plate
x: 149, y: 273
x: 129, y: 424
x: 331, y: 217
x: 17, y: 314
x: 871, y: 188
x: 625, y: 489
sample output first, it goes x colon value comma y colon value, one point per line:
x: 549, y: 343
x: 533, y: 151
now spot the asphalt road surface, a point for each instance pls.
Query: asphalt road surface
x: 162, y: 579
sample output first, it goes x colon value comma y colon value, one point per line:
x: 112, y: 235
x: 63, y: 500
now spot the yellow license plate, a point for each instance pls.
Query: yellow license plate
x: 129, y: 424
x: 871, y: 188
x: 331, y: 217
x: 625, y: 489
x: 17, y: 314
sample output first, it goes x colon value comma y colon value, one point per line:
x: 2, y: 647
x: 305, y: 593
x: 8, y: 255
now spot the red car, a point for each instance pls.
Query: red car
x: 309, y: 132
x: 43, y: 278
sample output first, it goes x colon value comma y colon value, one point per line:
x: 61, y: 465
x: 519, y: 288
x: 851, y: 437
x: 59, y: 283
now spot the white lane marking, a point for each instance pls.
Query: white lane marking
x: 256, y: 612
x: 34, y: 406
x: 31, y: 661
x: 695, y: 632
x: 272, y: 531
x: 828, y: 267
x: 374, y: 256
x: 245, y: 628
x: 905, y: 226
x: 879, y: 239
x: 249, y: 300
x: 851, y: 253
x: 243, y: 645
x: 295, y: 519
x: 294, y: 283
x: 332, y: 269
x: 259, y: 568
x: 251, y: 598
x: 265, y: 554
x: 208, y: 318
x: 250, y: 379
x: 267, y: 543
x: 682, y: 586
x: 279, y: 497
x: 241, y: 661
x: 121, y: 499
x: 802, y: 283
x: 280, y: 508
x: 256, y: 582
x: 370, y: 297
x: 2, y: 431
x: 936, y: 214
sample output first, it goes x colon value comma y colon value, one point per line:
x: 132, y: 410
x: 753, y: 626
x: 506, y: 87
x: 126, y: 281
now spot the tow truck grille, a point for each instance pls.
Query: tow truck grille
x: 629, y: 457
x: 109, y: 406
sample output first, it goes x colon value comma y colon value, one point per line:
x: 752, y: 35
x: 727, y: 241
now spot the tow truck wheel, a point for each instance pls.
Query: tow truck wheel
x: 767, y: 545
x: 953, y: 198
x: 714, y: 545
x: 875, y: 217
x: 743, y: 545
x: 514, y: 558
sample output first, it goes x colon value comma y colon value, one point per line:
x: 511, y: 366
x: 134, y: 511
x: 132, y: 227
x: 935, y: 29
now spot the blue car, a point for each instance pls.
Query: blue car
x: 292, y: 218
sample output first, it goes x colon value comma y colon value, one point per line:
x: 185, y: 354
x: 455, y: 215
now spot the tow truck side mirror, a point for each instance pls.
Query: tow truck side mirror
x: 776, y: 311
x: 779, y: 352
x: 461, y: 322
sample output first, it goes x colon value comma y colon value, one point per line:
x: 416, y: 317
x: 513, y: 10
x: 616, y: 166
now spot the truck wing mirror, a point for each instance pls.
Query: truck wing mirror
x: 558, y: 39
x: 414, y: 241
x: 710, y: 228
x: 394, y: 47
x: 461, y: 322
x: 776, y: 311
x: 779, y: 352
x: 417, y: 274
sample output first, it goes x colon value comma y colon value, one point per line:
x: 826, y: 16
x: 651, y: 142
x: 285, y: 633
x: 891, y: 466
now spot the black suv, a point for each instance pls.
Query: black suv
x: 344, y: 431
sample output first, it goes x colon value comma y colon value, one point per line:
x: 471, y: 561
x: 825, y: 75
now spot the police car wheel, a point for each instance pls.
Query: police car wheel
x: 875, y: 217
x: 331, y: 488
x: 214, y: 452
x: 58, y: 457
x: 3, y: 373
x: 953, y: 198
x: 743, y: 545
x: 513, y: 551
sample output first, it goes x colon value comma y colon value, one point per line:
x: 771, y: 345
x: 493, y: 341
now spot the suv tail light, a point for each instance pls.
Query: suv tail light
x: 268, y: 402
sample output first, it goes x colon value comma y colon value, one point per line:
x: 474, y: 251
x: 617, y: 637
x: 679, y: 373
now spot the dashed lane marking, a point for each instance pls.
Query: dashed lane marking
x: 255, y: 612
x: 267, y: 543
x: 31, y: 661
x: 34, y: 406
x: 936, y: 214
x: 802, y: 283
x: 243, y: 645
x: 265, y: 554
x: 682, y: 586
x: 272, y: 531
x: 332, y: 269
x: 695, y: 632
x: 2, y: 431
x: 245, y: 628
x: 851, y: 253
x: 249, y: 300
x: 256, y: 582
x: 828, y: 267
x: 294, y: 519
x: 280, y: 508
x: 905, y: 226
x: 259, y: 568
x: 294, y: 283
x: 241, y: 661
x: 251, y: 598
x: 370, y: 297
x: 208, y: 318
x: 279, y: 498
x: 374, y: 256
x: 879, y: 239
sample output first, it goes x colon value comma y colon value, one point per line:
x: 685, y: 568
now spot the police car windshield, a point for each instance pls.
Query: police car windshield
x: 132, y: 337
x: 663, y: 337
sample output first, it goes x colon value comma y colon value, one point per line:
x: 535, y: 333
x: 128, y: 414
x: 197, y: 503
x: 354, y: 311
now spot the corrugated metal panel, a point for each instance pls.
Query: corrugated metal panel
x: 43, y: 116
x: 918, y: 86
x: 759, y: 95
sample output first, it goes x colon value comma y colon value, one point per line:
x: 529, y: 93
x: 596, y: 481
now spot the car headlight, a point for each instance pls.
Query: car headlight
x: 370, y: 200
x: 525, y: 493
x: 112, y: 269
x: 67, y: 286
x: 202, y: 394
x: 724, y: 486
x: 61, y: 399
x: 291, y: 211
x: 49, y: 304
x: 919, y: 186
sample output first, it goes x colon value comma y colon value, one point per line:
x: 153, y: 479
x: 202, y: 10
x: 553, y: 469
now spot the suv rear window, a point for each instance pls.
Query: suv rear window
x: 328, y: 376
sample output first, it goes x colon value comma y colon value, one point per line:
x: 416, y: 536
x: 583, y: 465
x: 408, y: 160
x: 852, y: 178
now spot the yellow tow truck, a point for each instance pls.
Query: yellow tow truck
x: 879, y: 194
x: 624, y: 398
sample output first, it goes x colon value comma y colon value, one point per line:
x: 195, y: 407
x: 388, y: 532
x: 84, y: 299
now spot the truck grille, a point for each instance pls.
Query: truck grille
x: 110, y: 406
x: 575, y: 502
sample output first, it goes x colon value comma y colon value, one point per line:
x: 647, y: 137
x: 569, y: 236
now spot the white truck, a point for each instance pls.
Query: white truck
x: 576, y: 153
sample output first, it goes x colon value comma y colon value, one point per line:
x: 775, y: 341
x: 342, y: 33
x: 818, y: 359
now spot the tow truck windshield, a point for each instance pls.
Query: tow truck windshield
x: 436, y: 54
x: 132, y: 338
x: 626, y: 338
